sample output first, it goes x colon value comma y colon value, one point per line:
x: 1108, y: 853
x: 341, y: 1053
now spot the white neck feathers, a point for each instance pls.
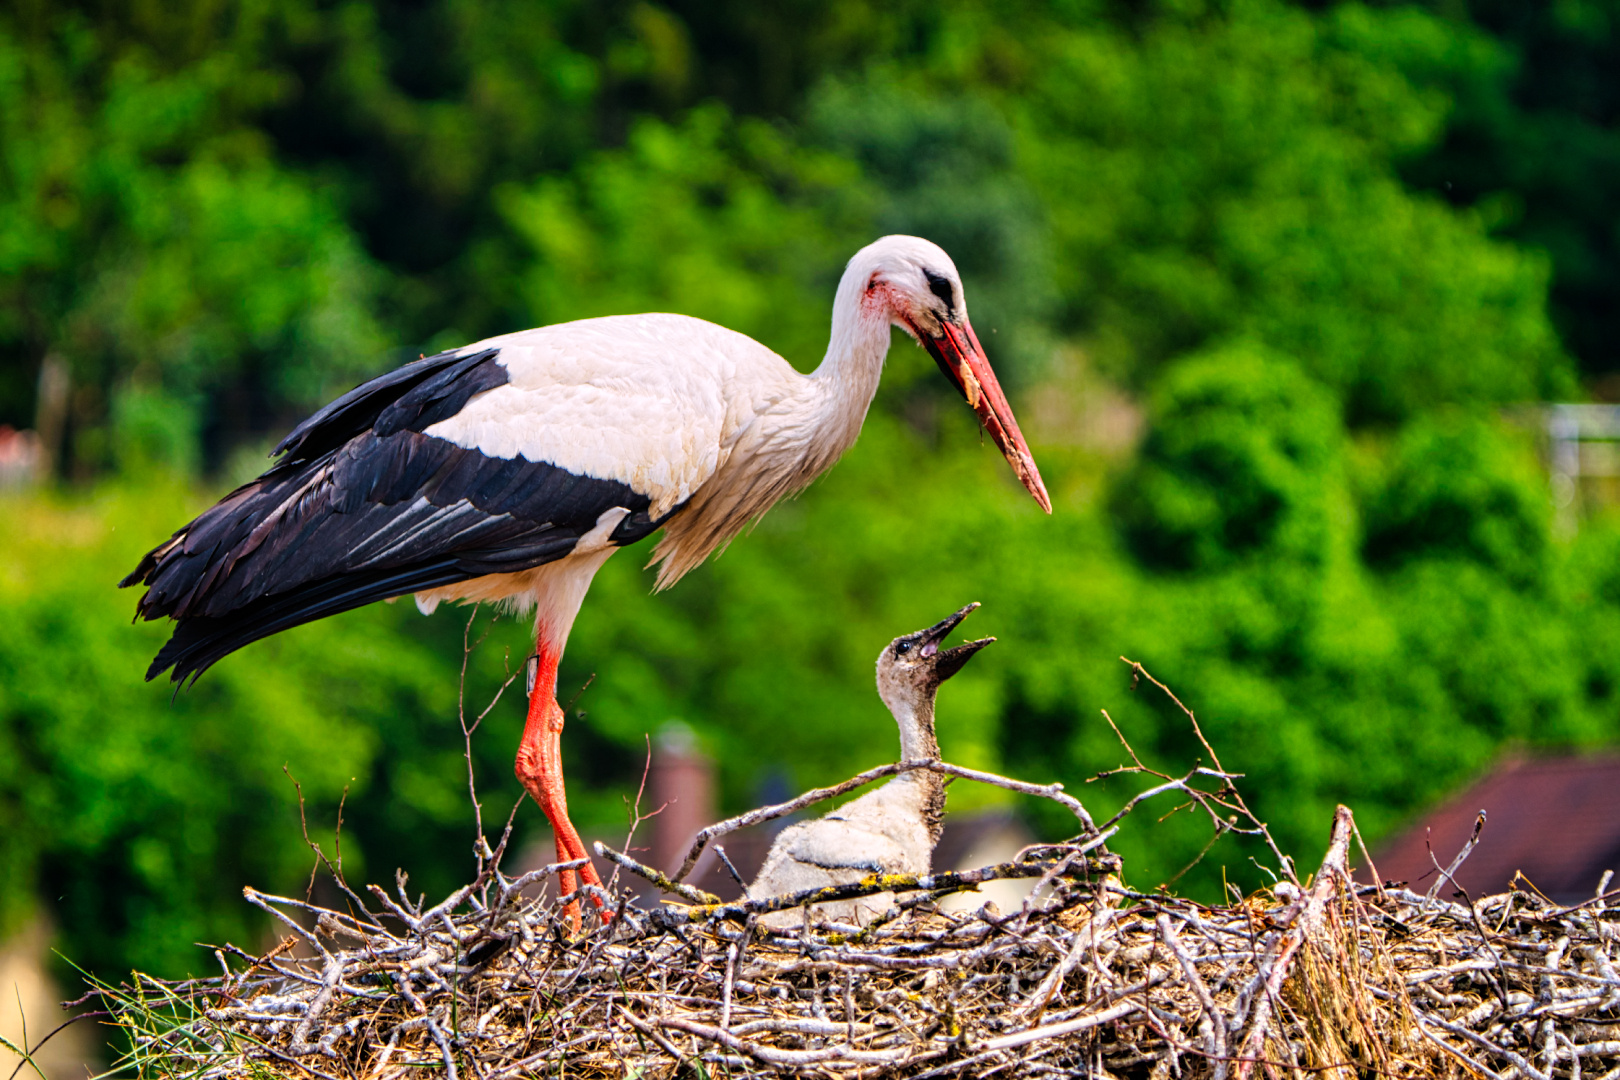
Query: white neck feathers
x: 793, y: 440
x: 847, y: 379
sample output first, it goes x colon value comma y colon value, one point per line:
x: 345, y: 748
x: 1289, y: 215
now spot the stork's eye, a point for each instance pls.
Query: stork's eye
x: 902, y: 648
x: 940, y: 286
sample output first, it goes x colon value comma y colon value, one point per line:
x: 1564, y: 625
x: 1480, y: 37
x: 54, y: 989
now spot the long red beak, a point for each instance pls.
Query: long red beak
x: 960, y: 356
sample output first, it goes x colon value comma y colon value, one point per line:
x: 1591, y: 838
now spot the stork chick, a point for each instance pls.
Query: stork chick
x: 893, y: 829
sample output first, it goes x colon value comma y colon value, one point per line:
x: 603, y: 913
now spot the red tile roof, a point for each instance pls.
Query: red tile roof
x: 1556, y: 820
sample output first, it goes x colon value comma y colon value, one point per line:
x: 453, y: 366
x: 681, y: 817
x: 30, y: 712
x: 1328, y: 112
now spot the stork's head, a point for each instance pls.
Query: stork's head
x: 911, y: 283
x: 911, y: 668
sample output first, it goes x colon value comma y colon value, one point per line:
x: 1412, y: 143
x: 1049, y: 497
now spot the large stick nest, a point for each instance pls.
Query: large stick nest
x: 1314, y: 977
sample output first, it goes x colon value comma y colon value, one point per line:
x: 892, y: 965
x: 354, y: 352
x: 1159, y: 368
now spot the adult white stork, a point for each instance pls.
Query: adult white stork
x: 511, y: 469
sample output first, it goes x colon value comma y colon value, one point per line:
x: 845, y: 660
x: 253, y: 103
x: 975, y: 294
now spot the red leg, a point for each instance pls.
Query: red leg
x: 539, y: 769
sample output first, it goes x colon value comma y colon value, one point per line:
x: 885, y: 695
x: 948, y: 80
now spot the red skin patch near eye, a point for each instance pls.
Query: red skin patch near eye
x: 877, y: 299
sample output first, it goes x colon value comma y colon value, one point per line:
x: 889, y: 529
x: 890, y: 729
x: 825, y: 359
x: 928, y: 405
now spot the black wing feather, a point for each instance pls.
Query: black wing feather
x: 364, y: 506
x: 414, y: 397
x: 199, y: 642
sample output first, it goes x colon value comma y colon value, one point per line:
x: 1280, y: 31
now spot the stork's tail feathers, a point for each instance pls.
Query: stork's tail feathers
x: 142, y: 574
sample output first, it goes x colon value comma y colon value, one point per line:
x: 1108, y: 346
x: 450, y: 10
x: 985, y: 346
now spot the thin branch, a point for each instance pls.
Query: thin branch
x: 1283, y: 862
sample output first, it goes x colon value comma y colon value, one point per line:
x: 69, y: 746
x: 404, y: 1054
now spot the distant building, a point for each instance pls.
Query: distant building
x: 1556, y: 821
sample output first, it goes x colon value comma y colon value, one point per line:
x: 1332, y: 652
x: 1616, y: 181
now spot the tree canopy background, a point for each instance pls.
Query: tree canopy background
x: 1266, y: 281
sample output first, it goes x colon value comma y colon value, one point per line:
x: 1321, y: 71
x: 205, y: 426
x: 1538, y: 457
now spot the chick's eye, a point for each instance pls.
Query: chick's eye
x: 902, y: 648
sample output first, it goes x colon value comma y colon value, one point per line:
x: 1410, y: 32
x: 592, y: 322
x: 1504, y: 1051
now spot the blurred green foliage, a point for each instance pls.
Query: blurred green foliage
x: 1233, y: 468
x: 1209, y: 221
x: 1232, y: 176
x: 152, y: 242
x: 1456, y: 487
x: 1532, y: 140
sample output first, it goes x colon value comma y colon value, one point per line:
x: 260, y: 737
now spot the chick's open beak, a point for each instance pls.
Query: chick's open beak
x: 949, y: 661
x: 957, y: 351
x: 930, y: 638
